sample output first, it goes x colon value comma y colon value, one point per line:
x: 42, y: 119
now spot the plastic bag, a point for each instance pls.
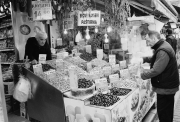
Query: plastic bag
x: 22, y: 90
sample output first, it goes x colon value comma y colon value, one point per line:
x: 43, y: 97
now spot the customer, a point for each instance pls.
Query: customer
x: 37, y: 45
x: 171, y: 39
x: 164, y: 75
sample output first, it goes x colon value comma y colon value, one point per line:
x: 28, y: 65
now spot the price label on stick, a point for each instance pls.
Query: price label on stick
x: 50, y: 75
x: 107, y: 70
x: 123, y: 64
x: 99, y: 53
x: 37, y: 69
x: 89, y: 66
x: 115, y: 68
x: 112, y: 59
x: 88, y: 49
x: 42, y: 58
x: 101, y: 85
x: 114, y: 79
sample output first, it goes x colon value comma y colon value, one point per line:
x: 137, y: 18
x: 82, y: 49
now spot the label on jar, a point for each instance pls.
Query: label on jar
x: 88, y: 49
x: 107, y: 70
x: 101, y: 85
x: 99, y: 54
x: 112, y: 59
x: 123, y: 64
x: 42, y: 58
x: 37, y: 69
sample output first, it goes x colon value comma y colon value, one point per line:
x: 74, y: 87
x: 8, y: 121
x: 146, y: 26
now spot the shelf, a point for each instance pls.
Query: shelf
x: 7, y: 37
x: 4, y: 50
x: 7, y: 63
x: 2, y: 15
x: 5, y: 26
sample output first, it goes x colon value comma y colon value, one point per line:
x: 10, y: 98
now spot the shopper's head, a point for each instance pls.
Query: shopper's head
x: 169, y: 31
x: 41, y: 38
x: 152, y: 38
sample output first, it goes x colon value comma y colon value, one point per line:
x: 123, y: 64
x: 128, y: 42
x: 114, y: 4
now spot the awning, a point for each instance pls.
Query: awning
x: 154, y: 7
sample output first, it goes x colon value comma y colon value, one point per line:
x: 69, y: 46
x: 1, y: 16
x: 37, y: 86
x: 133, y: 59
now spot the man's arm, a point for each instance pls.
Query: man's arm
x: 29, y: 49
x: 146, y: 59
x: 162, y: 60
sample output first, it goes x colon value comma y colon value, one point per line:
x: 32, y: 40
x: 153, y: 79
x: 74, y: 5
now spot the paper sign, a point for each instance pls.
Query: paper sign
x: 112, y: 59
x: 37, y: 69
x: 50, y: 75
x: 42, y: 58
x: 68, y: 22
x: 89, y: 18
x: 99, y: 53
x: 101, y: 85
x: 123, y: 64
x: 114, y: 79
x: 42, y: 10
x: 89, y: 66
x: 73, y: 78
x: 88, y: 49
x: 95, y: 74
x: 115, y: 68
x: 124, y: 73
x: 107, y: 70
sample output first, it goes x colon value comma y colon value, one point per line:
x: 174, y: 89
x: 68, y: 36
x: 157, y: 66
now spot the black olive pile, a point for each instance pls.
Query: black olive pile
x: 121, y: 119
x: 105, y: 100
x: 84, y: 83
x: 46, y: 67
x: 119, y: 91
x: 86, y: 56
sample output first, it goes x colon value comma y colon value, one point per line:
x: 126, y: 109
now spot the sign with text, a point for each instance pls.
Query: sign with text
x: 99, y: 53
x: 112, y: 59
x: 114, y: 79
x: 68, y: 22
x: 89, y: 18
x: 42, y: 58
x: 41, y: 10
x: 101, y: 85
x: 107, y: 70
x: 37, y: 69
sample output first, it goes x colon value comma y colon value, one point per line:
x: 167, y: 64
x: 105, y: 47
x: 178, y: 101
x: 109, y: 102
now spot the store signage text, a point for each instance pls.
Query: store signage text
x: 89, y: 18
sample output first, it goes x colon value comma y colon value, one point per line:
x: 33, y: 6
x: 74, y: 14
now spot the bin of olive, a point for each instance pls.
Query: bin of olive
x: 105, y: 100
x: 119, y: 91
x: 84, y: 87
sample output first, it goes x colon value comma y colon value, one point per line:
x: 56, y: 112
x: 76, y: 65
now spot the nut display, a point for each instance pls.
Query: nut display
x: 119, y: 91
x: 83, y: 83
x: 104, y: 100
x: 86, y: 56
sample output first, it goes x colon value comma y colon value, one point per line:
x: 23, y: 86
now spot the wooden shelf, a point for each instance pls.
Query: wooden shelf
x: 6, y: 37
x: 5, y: 50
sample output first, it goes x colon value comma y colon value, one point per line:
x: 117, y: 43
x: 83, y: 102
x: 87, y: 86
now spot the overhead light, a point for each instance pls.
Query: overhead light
x: 65, y: 31
x: 87, y: 34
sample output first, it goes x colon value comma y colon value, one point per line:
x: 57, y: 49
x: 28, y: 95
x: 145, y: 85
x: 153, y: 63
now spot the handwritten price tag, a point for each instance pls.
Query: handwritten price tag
x: 37, y: 69
x: 101, y: 85
x: 115, y: 68
x: 114, y: 79
x: 42, y: 58
x: 50, y: 75
x: 107, y: 70
x: 99, y: 53
x: 112, y: 59
x: 124, y: 73
x: 123, y: 64
x: 88, y: 49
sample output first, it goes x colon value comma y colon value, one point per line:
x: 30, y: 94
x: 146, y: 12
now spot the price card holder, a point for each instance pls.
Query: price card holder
x: 42, y: 58
x: 112, y: 59
x: 73, y: 78
x: 99, y: 53
x: 115, y: 68
x: 89, y: 66
x: 88, y: 49
x: 114, y: 79
x: 123, y: 64
x: 124, y: 73
x: 107, y: 70
x: 101, y: 85
x: 37, y: 69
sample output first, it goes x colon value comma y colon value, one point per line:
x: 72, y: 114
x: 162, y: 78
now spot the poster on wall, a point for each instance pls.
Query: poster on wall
x: 41, y: 10
x: 89, y: 18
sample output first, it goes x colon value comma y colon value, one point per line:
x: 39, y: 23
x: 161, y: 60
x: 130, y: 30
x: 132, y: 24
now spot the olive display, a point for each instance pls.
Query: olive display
x: 46, y: 67
x: 104, y: 100
x: 86, y: 56
x: 83, y: 83
x: 119, y: 91
x: 121, y: 119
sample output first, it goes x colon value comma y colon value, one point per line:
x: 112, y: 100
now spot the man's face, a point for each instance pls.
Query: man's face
x: 41, y: 41
x: 150, y: 40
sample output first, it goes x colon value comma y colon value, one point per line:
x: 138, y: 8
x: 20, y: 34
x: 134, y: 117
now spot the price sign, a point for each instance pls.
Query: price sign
x: 112, y: 59
x: 89, y: 66
x: 123, y: 64
x: 88, y: 49
x: 37, y: 69
x: 101, y: 85
x: 124, y: 73
x: 68, y: 22
x: 99, y: 53
x: 42, y: 58
x: 50, y: 75
x: 107, y: 70
x: 115, y: 68
x: 41, y: 10
x: 114, y: 79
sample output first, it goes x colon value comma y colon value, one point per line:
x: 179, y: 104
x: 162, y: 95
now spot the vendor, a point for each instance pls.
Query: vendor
x: 37, y: 45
